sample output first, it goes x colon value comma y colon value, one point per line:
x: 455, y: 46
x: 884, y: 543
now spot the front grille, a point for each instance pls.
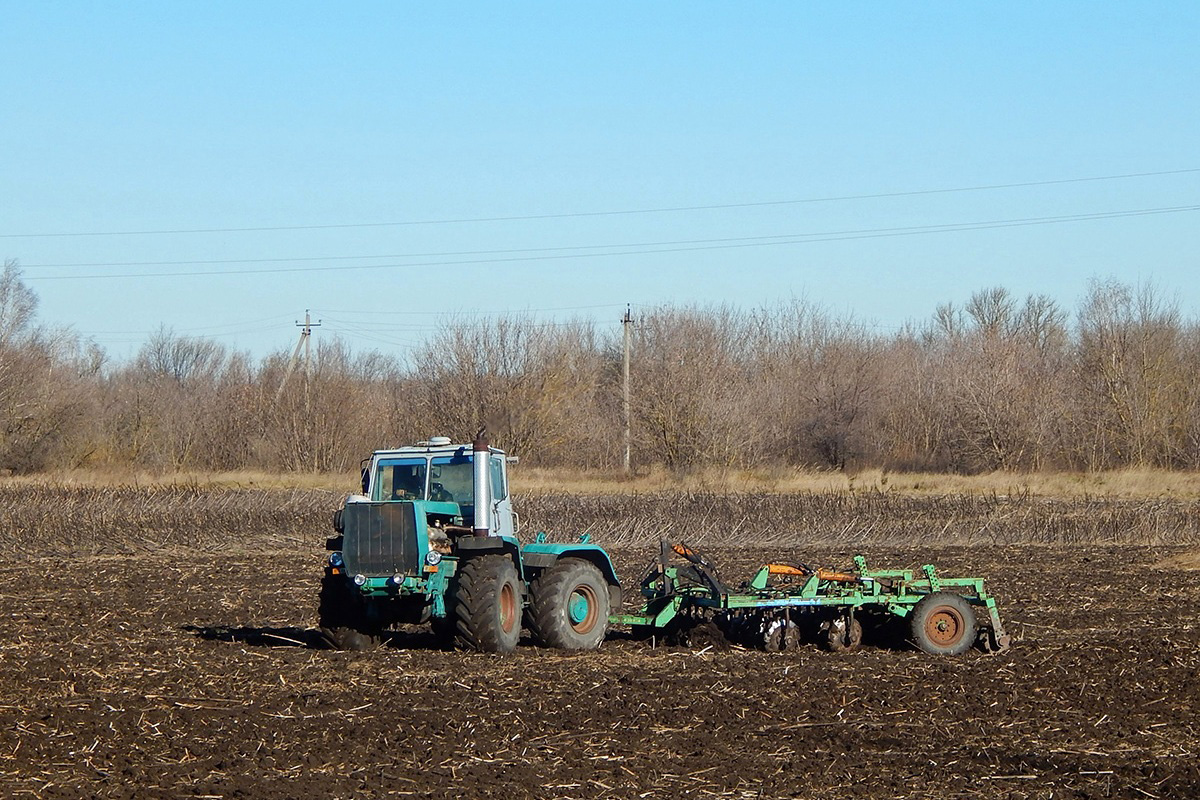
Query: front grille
x: 380, y: 539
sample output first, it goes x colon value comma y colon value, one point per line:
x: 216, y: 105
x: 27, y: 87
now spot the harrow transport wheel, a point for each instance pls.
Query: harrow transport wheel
x: 487, y: 605
x: 944, y: 624
x: 568, y: 605
x: 343, y: 618
x: 844, y: 635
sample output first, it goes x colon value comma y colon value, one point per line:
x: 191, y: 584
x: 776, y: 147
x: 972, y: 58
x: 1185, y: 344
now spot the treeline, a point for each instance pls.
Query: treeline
x: 1000, y: 383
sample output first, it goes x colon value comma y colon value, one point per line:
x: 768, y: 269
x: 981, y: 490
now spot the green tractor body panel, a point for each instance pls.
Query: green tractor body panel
x: 540, y: 555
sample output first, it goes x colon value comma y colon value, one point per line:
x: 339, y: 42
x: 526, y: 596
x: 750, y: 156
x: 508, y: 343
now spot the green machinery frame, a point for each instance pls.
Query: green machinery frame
x: 695, y: 589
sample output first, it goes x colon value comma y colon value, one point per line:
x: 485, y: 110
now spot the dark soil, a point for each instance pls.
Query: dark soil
x: 184, y: 675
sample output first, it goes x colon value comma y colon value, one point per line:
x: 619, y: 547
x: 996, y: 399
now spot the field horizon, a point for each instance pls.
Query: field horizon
x: 1133, y: 483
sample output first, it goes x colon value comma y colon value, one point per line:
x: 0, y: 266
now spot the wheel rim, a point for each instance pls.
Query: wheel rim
x: 945, y: 626
x: 581, y: 609
x: 508, y: 607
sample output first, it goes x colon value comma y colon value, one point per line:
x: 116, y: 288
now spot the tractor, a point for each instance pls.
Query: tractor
x: 432, y: 538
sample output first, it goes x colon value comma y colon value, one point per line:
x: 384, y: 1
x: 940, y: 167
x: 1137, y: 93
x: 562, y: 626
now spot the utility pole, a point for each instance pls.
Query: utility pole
x: 304, y: 342
x: 306, y: 336
x: 626, y: 325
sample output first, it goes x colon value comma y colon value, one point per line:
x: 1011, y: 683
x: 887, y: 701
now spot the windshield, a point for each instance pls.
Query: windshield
x: 452, y: 480
x: 400, y: 479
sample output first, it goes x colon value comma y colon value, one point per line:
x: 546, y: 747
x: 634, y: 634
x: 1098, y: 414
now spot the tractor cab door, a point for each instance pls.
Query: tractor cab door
x: 502, y: 513
x: 451, y: 479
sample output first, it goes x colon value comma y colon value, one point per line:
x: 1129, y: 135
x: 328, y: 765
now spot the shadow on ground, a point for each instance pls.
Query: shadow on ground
x: 308, y: 638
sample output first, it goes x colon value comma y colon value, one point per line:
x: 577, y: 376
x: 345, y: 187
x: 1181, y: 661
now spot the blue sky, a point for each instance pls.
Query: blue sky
x: 122, y: 119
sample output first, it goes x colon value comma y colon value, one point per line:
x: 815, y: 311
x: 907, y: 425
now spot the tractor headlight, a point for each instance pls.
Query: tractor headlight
x: 397, y: 579
x: 360, y: 580
x: 336, y: 560
x: 433, y: 557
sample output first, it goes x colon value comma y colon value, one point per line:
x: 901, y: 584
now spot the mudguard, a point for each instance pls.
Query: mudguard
x: 540, y: 555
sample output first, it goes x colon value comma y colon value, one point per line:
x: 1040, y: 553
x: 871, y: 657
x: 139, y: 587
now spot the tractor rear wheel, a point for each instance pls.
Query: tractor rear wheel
x: 568, y: 605
x: 943, y: 624
x: 342, y: 617
x: 487, y: 605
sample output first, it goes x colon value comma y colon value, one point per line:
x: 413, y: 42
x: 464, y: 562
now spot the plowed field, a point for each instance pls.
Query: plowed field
x: 183, y: 674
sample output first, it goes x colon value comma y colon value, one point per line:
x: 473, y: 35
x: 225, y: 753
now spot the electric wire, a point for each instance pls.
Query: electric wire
x: 607, y: 213
x: 364, y: 326
x: 499, y: 312
x: 776, y: 240
x: 947, y: 227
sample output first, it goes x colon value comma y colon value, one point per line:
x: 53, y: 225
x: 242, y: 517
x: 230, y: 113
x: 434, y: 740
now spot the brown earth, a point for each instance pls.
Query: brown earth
x: 177, y: 674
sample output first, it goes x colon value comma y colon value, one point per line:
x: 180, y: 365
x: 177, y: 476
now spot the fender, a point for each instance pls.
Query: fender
x: 541, y: 555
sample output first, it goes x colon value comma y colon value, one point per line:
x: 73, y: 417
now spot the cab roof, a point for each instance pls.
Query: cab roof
x: 433, y: 447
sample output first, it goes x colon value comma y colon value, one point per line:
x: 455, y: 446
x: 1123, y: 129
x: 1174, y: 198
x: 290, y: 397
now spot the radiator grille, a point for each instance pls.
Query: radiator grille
x: 380, y: 538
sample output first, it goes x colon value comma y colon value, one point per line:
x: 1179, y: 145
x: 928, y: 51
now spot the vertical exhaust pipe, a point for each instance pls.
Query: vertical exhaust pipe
x: 480, y: 463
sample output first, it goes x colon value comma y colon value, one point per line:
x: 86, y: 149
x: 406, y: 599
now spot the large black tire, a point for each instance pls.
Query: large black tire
x: 343, y: 619
x: 487, y: 605
x: 569, y: 605
x: 943, y: 624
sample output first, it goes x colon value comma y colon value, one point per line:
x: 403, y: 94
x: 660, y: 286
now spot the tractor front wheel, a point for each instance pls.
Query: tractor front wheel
x: 568, y: 605
x: 943, y: 624
x: 487, y: 605
x: 342, y: 617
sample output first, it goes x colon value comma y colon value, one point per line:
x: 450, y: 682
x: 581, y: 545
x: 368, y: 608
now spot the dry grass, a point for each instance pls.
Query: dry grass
x: 342, y: 483
x: 863, y: 518
x: 66, y: 519
x: 1124, y: 484
x: 1189, y: 560
x: 37, y: 519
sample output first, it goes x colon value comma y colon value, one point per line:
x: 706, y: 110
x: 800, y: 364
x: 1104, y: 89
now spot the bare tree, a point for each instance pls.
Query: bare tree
x: 695, y: 390
x: 533, y: 384
x: 1134, y: 372
x: 46, y: 385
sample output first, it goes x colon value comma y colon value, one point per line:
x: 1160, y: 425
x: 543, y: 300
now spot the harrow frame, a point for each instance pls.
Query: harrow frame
x: 678, y: 595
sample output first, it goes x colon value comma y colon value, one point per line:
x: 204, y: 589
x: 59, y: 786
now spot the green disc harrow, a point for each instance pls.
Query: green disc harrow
x: 783, y: 605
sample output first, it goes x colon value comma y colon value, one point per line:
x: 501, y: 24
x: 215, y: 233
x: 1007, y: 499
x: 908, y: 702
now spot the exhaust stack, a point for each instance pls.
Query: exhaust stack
x: 480, y: 462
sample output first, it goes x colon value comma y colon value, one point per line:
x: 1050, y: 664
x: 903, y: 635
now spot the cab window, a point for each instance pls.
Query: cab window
x: 400, y: 479
x: 451, y: 480
x: 499, y: 490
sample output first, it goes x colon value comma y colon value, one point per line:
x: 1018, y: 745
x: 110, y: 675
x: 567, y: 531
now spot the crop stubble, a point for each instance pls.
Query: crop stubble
x: 189, y: 670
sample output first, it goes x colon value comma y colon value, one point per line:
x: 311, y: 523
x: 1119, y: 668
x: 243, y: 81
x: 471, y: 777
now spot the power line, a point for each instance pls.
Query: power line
x: 242, y: 327
x: 937, y: 228
x: 729, y: 244
x: 473, y: 313
x: 608, y: 213
x: 425, y: 327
